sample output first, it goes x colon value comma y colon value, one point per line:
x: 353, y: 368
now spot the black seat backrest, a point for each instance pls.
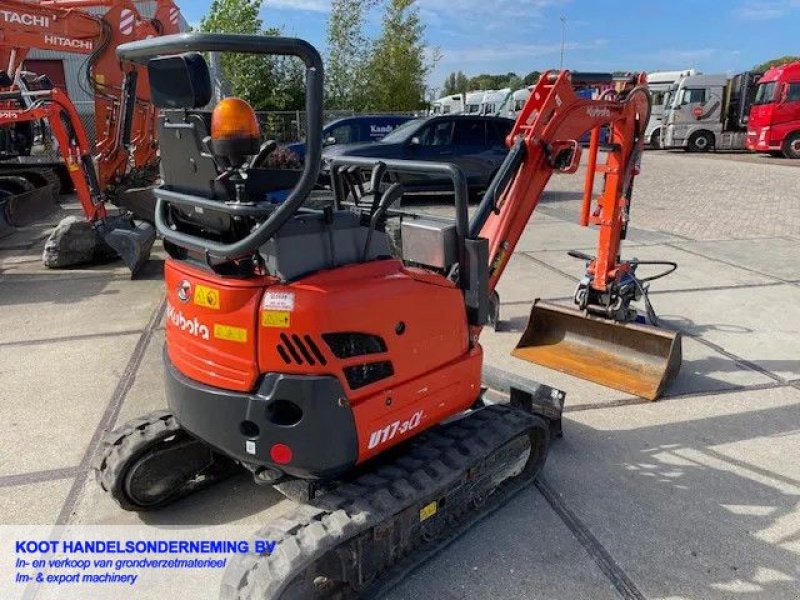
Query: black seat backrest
x: 180, y: 85
x: 186, y: 165
x: 180, y: 81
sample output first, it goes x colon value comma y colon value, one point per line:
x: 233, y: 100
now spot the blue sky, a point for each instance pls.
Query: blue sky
x: 497, y: 36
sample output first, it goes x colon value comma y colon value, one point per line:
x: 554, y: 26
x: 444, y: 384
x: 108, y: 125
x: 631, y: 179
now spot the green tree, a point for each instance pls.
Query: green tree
x: 775, y: 62
x: 267, y: 83
x: 398, y: 64
x: 348, y: 54
x: 531, y: 78
x: 455, y: 83
x: 486, y: 81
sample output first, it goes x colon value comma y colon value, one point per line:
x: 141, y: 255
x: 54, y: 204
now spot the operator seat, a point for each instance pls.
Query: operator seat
x: 181, y: 87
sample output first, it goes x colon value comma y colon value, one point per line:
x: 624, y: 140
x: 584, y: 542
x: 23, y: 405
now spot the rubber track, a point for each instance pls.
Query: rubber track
x: 119, y: 444
x: 137, y: 436
x: 435, y: 464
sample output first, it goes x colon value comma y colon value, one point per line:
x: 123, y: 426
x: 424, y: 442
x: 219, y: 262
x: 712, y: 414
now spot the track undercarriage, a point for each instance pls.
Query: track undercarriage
x: 349, y: 534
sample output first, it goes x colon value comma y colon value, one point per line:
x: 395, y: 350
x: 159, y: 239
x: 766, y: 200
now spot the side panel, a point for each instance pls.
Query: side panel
x: 397, y: 413
x: 211, y: 326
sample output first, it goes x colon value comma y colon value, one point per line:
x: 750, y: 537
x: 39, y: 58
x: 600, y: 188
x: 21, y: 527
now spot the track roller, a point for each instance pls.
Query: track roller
x: 151, y: 462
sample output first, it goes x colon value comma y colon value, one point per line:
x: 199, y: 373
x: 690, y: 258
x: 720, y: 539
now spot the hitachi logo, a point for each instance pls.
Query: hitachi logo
x: 62, y: 42
x: 191, y: 326
x: 25, y: 19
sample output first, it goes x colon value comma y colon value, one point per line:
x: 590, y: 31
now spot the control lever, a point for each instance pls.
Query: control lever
x: 375, y: 185
x: 353, y: 178
x: 266, y: 149
x: 393, y: 194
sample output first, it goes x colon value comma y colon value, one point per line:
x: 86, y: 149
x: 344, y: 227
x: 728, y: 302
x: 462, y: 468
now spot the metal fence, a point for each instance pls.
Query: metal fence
x: 290, y: 126
x: 281, y: 126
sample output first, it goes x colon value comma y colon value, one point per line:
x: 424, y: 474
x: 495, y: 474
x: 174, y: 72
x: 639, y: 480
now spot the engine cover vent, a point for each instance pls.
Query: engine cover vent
x: 350, y: 344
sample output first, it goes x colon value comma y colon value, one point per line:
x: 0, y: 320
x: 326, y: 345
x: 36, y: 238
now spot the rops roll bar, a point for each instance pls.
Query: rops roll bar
x: 141, y: 51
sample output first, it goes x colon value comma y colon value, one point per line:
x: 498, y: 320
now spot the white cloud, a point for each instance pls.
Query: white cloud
x: 690, y: 56
x: 764, y: 10
x: 508, y: 52
x: 307, y: 5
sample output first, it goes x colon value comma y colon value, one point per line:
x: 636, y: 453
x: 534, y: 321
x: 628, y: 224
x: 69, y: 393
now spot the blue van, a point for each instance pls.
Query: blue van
x: 351, y: 130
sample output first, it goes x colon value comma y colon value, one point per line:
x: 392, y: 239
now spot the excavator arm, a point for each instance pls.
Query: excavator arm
x: 605, y: 340
x: 65, y: 26
x: 544, y: 141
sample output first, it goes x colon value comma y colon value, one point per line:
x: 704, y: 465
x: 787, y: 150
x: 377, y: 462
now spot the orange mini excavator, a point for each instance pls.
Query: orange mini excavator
x: 300, y: 348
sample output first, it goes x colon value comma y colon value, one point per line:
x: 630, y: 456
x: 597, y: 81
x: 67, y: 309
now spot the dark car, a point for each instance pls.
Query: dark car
x: 350, y: 130
x: 476, y: 144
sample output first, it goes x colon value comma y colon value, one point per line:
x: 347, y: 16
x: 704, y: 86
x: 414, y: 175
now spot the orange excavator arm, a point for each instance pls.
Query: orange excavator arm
x: 544, y: 136
x: 65, y: 26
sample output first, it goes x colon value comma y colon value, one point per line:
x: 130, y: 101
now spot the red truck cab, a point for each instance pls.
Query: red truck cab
x: 774, y: 124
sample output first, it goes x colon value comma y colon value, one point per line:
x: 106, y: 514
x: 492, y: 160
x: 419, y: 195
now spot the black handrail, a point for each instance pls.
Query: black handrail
x: 141, y: 51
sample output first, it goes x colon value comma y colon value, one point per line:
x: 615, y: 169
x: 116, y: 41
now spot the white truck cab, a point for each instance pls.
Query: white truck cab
x: 448, y: 105
x: 659, y: 83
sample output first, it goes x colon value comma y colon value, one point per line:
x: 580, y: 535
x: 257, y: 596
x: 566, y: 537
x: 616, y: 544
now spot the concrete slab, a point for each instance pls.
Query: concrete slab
x: 525, y: 280
x: 523, y: 551
x: 147, y: 392
x: 703, y: 370
x: 52, y: 397
x: 776, y: 257
x: 761, y: 326
x: 693, y: 271
x: 57, y: 305
x: 556, y: 235
x: 689, y: 500
x: 35, y: 504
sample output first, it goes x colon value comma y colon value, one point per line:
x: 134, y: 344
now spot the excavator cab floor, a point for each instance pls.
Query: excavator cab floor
x: 638, y: 359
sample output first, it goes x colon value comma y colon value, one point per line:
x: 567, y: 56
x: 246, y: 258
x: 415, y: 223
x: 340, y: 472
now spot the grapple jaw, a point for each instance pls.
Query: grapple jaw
x: 638, y: 359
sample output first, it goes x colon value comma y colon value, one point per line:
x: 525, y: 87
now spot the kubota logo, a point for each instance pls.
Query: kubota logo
x: 192, y: 326
x: 25, y: 18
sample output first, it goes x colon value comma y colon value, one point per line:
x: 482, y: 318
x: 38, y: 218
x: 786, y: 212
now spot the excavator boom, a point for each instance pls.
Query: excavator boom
x: 599, y: 341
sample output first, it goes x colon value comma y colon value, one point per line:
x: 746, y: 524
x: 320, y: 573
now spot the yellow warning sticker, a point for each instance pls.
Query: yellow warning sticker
x: 230, y: 333
x: 73, y: 167
x: 276, y: 318
x: 427, y: 511
x: 206, y: 296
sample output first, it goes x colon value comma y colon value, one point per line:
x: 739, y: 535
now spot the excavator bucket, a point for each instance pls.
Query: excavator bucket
x: 132, y: 241
x: 77, y: 242
x: 638, y: 359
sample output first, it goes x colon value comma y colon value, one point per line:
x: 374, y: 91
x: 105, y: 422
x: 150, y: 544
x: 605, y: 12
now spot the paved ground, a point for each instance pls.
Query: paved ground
x: 695, y: 496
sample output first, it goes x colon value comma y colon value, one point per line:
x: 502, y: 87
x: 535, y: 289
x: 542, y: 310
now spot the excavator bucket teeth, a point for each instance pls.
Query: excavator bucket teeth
x: 638, y: 359
x: 132, y: 241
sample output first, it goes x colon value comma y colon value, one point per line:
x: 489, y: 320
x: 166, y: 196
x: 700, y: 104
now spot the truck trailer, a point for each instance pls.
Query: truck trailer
x: 774, y: 125
x: 708, y: 112
x: 659, y: 83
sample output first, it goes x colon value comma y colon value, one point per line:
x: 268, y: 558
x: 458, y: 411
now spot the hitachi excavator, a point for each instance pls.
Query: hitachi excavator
x: 300, y: 348
x: 125, y: 159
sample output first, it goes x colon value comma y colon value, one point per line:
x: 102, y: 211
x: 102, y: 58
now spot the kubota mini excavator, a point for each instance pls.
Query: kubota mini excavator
x: 299, y: 348
x: 124, y: 162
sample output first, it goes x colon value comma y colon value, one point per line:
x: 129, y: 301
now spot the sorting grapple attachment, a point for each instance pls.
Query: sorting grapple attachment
x: 638, y: 359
